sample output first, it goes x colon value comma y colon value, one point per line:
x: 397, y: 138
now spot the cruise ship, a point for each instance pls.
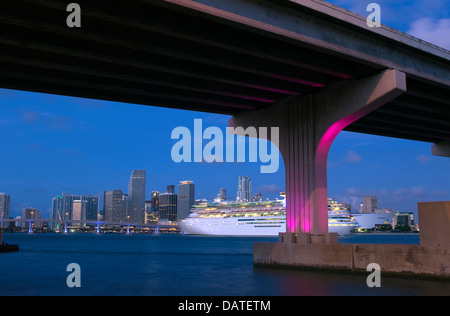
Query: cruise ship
x: 266, y: 218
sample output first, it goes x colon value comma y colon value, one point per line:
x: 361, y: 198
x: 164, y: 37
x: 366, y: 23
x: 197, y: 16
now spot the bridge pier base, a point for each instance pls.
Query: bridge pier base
x: 431, y: 258
x: 307, y: 238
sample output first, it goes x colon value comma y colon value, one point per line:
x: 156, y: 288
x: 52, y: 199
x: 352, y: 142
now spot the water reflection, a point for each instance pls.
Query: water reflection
x: 325, y: 283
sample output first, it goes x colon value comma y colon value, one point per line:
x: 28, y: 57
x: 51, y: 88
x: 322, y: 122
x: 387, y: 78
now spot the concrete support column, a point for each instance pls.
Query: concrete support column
x: 434, y: 218
x: 307, y: 127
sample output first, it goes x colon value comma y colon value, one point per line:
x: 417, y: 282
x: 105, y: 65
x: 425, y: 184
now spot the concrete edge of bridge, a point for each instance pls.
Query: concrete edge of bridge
x: 393, y: 259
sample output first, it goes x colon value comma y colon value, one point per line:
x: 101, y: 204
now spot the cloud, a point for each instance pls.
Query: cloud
x: 423, y: 159
x: 436, y: 32
x: 419, y: 191
x: 55, y: 122
x: 383, y: 193
x: 439, y: 193
x: 400, y: 193
x: 31, y: 117
x: 352, y: 157
x: 352, y: 192
x: 392, y: 198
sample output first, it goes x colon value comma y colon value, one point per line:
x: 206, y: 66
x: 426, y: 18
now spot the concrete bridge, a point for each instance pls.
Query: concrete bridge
x: 306, y: 66
x: 66, y: 223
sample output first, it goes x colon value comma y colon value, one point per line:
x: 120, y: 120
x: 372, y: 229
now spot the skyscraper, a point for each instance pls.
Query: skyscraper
x: 171, y: 188
x: 57, y: 211
x: 258, y: 197
x: 67, y: 205
x: 91, y: 206
x: 136, y: 196
x: 168, y: 205
x: 79, y: 212
x: 63, y: 206
x: 114, y: 208
x: 5, y: 205
x: 244, y: 189
x: 186, y: 198
x: 370, y: 204
x: 31, y: 213
x: 222, y: 195
x: 155, y: 201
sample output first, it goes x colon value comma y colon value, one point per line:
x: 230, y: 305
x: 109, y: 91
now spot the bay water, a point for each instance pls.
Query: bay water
x: 180, y: 265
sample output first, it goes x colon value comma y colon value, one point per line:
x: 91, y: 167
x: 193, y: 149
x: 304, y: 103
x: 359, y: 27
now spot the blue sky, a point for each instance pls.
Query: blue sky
x: 53, y: 144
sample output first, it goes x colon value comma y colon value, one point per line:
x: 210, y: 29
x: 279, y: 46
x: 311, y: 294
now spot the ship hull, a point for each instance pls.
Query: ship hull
x: 261, y: 226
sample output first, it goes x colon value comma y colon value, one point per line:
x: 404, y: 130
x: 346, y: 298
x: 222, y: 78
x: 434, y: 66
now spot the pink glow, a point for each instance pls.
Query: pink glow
x: 291, y: 225
x: 259, y: 99
x: 299, y: 81
x: 298, y: 210
x: 287, y: 92
x: 246, y: 97
x: 306, y: 227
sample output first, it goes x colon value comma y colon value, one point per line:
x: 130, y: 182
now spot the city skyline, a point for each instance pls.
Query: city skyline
x: 54, y: 144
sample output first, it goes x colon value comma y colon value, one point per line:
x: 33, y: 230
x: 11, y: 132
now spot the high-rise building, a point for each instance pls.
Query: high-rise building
x: 155, y: 201
x: 62, y: 206
x: 5, y: 205
x: 67, y: 204
x: 79, y: 212
x: 222, y: 195
x: 404, y: 219
x: 244, y: 193
x: 91, y: 207
x: 258, y: 197
x: 31, y: 213
x: 57, y: 207
x: 186, y: 198
x: 347, y: 206
x: 114, y: 207
x: 171, y: 188
x: 168, y: 205
x: 57, y: 212
x: 370, y: 204
x: 136, y: 196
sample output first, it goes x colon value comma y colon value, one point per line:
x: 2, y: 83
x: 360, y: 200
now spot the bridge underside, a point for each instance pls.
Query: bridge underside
x: 298, y: 58
x: 163, y: 54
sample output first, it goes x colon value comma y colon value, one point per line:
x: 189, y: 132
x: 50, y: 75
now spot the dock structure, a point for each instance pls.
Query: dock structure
x: 4, y: 247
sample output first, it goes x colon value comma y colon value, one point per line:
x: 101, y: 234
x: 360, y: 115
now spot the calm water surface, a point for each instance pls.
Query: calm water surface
x: 178, y: 265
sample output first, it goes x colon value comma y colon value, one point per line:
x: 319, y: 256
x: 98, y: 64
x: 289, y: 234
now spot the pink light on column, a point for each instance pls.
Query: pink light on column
x: 306, y: 227
x: 328, y: 137
x: 321, y: 189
